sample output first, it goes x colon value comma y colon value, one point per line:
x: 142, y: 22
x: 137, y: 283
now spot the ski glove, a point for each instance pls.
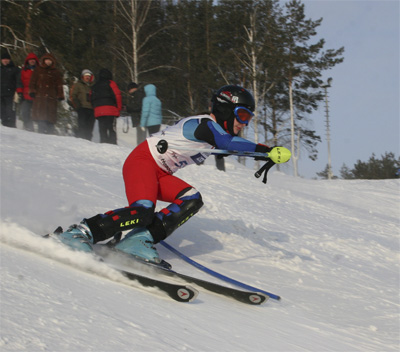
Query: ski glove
x: 262, y: 148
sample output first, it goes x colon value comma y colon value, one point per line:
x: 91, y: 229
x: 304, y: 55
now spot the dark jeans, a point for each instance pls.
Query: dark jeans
x: 107, y: 126
x: 7, y: 112
x: 85, y: 123
x: 153, y: 129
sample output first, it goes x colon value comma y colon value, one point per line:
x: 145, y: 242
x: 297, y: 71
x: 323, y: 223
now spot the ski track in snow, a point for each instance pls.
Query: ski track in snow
x: 329, y: 248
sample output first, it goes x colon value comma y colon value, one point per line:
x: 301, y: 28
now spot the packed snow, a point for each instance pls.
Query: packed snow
x: 330, y: 249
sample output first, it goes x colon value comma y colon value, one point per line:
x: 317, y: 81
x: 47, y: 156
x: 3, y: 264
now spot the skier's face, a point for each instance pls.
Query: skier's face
x: 237, y: 126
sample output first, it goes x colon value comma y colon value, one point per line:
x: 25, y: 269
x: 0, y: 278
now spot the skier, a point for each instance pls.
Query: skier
x: 148, y: 177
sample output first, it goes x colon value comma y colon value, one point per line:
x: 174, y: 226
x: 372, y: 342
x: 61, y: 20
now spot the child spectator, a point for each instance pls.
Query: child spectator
x: 31, y: 61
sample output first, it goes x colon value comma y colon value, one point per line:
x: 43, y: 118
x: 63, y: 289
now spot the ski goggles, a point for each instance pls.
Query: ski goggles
x: 243, y: 115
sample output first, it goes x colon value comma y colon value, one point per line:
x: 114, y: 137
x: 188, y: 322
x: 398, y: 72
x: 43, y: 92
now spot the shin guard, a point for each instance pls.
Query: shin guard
x: 104, y: 226
x: 177, y: 213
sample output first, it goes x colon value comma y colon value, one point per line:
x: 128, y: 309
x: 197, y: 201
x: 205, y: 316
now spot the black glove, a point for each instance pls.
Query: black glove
x: 32, y: 95
x: 261, y: 148
x: 21, y: 96
x: 60, y: 99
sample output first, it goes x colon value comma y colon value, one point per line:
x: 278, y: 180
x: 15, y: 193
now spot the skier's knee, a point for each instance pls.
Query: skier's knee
x: 103, y: 226
x: 167, y: 220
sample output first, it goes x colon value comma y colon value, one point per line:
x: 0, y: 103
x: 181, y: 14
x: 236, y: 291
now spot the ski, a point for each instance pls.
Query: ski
x: 249, y: 297
x: 180, y: 293
x: 111, y: 256
x: 218, y: 275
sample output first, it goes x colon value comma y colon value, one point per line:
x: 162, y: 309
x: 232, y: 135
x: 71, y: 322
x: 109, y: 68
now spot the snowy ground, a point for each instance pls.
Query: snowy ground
x: 329, y: 248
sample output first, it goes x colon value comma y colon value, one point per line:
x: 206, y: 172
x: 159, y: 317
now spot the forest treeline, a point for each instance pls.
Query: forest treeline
x: 188, y: 49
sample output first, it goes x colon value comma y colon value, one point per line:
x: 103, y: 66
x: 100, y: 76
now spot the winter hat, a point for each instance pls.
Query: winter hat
x: 31, y: 56
x: 5, y: 56
x: 86, y: 72
x: 50, y: 57
x: 132, y: 85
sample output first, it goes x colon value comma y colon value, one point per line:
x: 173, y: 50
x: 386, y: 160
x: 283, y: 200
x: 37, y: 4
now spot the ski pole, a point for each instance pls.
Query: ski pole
x: 278, y: 155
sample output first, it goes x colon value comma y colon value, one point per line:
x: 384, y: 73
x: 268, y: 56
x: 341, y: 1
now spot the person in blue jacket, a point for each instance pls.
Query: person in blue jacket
x: 148, y: 174
x: 151, y: 117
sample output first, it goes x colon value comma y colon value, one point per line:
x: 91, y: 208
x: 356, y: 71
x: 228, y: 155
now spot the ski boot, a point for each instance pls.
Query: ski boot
x: 77, y: 237
x: 139, y: 243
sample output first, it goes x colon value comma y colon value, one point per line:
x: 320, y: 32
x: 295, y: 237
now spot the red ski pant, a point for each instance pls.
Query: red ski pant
x: 144, y: 179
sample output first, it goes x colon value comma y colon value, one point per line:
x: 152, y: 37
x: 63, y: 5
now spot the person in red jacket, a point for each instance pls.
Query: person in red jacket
x: 107, y: 103
x: 31, y: 61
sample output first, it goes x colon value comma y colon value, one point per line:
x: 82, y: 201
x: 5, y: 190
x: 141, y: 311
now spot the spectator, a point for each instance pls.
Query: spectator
x: 134, y: 103
x: 79, y: 97
x: 151, y: 116
x: 31, y: 61
x: 46, y: 88
x: 134, y: 108
x: 10, y: 81
x: 107, y: 103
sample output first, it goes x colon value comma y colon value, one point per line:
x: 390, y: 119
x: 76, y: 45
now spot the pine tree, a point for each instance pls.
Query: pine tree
x: 301, y: 66
x: 346, y: 173
x: 386, y: 167
x: 324, y: 174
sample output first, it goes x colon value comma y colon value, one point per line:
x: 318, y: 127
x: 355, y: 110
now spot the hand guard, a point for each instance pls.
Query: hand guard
x: 261, y: 148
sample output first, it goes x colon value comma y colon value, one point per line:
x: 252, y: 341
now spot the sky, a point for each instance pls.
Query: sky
x: 364, y: 94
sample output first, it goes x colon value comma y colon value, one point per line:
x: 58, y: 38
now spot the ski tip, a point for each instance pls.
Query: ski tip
x: 258, y: 298
x: 187, y: 294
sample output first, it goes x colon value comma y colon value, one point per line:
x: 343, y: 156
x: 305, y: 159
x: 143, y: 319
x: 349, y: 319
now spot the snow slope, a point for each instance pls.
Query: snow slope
x: 329, y: 248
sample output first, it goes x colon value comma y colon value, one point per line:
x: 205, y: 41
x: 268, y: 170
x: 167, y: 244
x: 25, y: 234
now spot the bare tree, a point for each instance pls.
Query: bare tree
x: 27, y: 9
x: 17, y: 42
x: 135, y: 14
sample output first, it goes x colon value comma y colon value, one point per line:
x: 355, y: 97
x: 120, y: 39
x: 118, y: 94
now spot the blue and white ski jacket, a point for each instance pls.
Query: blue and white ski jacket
x: 199, y: 132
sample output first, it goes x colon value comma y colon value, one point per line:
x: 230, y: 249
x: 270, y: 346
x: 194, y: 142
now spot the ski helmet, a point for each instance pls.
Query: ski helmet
x: 224, y: 102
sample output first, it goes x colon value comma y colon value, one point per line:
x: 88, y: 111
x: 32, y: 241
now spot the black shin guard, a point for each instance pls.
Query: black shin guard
x: 176, y: 214
x: 104, y: 226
